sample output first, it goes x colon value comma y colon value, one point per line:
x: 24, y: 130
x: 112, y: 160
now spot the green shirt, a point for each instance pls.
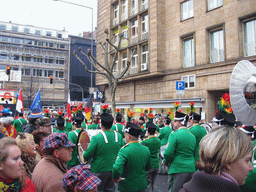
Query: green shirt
x: 93, y: 126
x: 68, y: 127
x: 17, y: 124
x: 132, y: 162
x: 154, y: 144
x: 84, y: 125
x: 72, y: 136
x: 180, y: 151
x: 164, y: 134
x: 103, y: 153
x: 119, y: 128
x: 199, y: 132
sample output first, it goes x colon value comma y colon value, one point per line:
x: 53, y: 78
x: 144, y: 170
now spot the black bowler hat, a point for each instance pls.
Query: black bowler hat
x: 133, y: 129
x: 195, y: 116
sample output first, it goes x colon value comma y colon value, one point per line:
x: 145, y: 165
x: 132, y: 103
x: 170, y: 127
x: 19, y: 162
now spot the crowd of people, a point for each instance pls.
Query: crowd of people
x: 41, y: 153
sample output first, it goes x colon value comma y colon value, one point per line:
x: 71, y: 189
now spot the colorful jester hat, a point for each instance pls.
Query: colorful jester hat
x: 177, y: 105
x: 130, y: 115
x: 46, y: 113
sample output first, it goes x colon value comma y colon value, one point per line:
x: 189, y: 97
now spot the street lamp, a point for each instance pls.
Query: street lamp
x: 92, y: 27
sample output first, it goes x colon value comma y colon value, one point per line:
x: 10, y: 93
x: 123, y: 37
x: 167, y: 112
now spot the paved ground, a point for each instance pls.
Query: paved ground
x: 161, y: 183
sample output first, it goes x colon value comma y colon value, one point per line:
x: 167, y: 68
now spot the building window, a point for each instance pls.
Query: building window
x: 38, y: 32
x: 135, y: 58
x: 2, y: 27
x: 212, y: 4
x: 26, y: 72
x: 48, y: 33
x: 124, y: 9
x: 62, y: 46
x: 124, y: 60
x: 115, y: 68
x: 3, y: 56
x: 59, y: 74
x: 188, y: 52
x: 26, y: 30
x: 116, y: 12
x: 134, y: 8
x: 14, y: 29
x: 16, y: 40
x: 37, y: 72
x: 144, y: 24
x: 16, y: 57
x: 216, y: 46
x: 250, y: 38
x: 125, y: 31
x: 3, y: 38
x: 144, y: 54
x: 59, y: 35
x: 144, y: 5
x: 187, y: 9
x: 189, y: 81
x: 61, y: 61
x: 48, y: 73
x: 134, y: 28
x: 50, y: 60
x: 115, y: 38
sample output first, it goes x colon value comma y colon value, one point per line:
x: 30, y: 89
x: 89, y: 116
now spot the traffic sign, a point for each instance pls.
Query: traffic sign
x: 180, y: 87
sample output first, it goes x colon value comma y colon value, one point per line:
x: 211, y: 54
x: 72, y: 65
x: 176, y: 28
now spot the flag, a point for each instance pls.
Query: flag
x: 69, y: 106
x: 19, y: 104
x: 88, y: 108
x: 37, y: 102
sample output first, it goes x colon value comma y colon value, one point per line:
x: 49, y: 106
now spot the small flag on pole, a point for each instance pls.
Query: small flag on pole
x: 88, y: 108
x: 19, y: 104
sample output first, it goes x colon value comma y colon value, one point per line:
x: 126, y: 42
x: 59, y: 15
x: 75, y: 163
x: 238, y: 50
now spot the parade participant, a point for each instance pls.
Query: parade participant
x: 180, y: 154
x: 45, y: 125
x: 8, y: 129
x: 94, y: 124
x: 2, y: 135
x: 47, y: 113
x: 79, y: 178
x: 27, y: 146
x: 20, y: 122
x: 12, y: 177
x: 132, y: 162
x: 103, y: 151
x: 249, y: 131
x: 49, y: 172
x: 84, y: 124
x: 32, y: 120
x: 225, y: 160
x: 198, y: 131
x: 118, y: 126
x: 68, y: 125
x: 73, y: 136
x: 39, y: 138
x: 141, y: 120
x: 60, y: 127
x: 153, y: 144
x: 163, y: 136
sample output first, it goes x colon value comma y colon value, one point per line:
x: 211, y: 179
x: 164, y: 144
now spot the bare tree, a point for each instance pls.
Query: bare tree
x: 29, y: 89
x: 107, y: 70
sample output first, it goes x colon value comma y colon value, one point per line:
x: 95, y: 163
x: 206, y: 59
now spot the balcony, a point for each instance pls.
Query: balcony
x: 124, y: 43
x: 134, y: 40
x: 115, y: 21
x: 144, y: 6
x: 124, y: 16
x: 144, y: 36
x: 134, y: 11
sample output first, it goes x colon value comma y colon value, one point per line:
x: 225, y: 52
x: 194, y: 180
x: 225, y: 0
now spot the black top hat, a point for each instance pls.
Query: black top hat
x: 179, y: 116
x: 151, y: 127
x: 248, y: 130
x: 60, y: 121
x: 106, y: 120
x: 132, y: 129
x: 224, y: 118
x: 195, y: 116
x: 77, y: 120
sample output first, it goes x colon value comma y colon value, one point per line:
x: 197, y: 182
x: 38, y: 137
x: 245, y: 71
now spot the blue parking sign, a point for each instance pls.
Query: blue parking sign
x: 180, y: 85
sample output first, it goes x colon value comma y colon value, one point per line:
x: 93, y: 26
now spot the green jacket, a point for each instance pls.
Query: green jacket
x: 164, y: 134
x: 144, y: 127
x: 119, y: 128
x: 180, y: 151
x: 72, y: 136
x: 93, y: 126
x: 85, y: 126
x: 68, y: 126
x: 17, y: 124
x: 102, y: 153
x: 132, y: 162
x: 199, y: 132
x: 154, y: 144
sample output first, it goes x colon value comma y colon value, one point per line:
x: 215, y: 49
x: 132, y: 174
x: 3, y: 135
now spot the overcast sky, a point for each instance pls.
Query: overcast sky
x: 51, y: 14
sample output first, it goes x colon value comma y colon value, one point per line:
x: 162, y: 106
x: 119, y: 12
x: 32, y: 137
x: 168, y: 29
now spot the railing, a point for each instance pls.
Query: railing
x: 115, y: 21
x: 134, y: 40
x: 134, y: 11
x: 144, y: 6
x: 144, y: 36
x: 124, y: 43
x: 124, y: 16
x: 133, y: 70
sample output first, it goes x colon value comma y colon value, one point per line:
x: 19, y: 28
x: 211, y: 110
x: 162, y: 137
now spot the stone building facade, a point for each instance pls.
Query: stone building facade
x: 196, y: 41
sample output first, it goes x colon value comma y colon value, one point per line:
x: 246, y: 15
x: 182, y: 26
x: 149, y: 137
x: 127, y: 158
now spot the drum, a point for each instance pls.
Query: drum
x: 83, y: 142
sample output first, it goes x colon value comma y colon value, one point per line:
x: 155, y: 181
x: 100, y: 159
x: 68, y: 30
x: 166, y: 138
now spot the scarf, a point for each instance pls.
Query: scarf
x: 9, y: 185
x: 29, y: 164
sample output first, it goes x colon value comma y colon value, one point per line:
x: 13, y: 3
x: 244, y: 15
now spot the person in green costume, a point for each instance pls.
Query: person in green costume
x: 132, y: 162
x: 18, y: 123
x: 118, y: 126
x: 73, y: 136
x: 103, y: 150
x: 180, y: 154
x: 60, y: 128
x: 68, y: 125
x: 94, y: 124
x: 153, y: 143
x: 84, y: 124
x: 198, y: 131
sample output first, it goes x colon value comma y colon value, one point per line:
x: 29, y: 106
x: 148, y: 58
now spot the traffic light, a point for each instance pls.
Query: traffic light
x: 8, y: 68
x: 51, y: 79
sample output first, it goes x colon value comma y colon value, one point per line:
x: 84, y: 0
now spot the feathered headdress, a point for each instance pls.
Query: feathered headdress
x: 79, y: 108
x: 118, y: 111
x: 60, y: 113
x: 176, y: 105
x: 168, y: 114
x: 46, y: 113
x: 150, y: 110
x: 104, y: 108
x: 142, y: 115
x: 130, y: 115
x: 192, y: 104
x: 74, y: 110
x: 150, y: 117
x: 224, y: 103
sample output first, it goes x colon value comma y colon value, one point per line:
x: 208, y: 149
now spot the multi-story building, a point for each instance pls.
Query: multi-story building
x: 196, y: 41
x: 36, y: 53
